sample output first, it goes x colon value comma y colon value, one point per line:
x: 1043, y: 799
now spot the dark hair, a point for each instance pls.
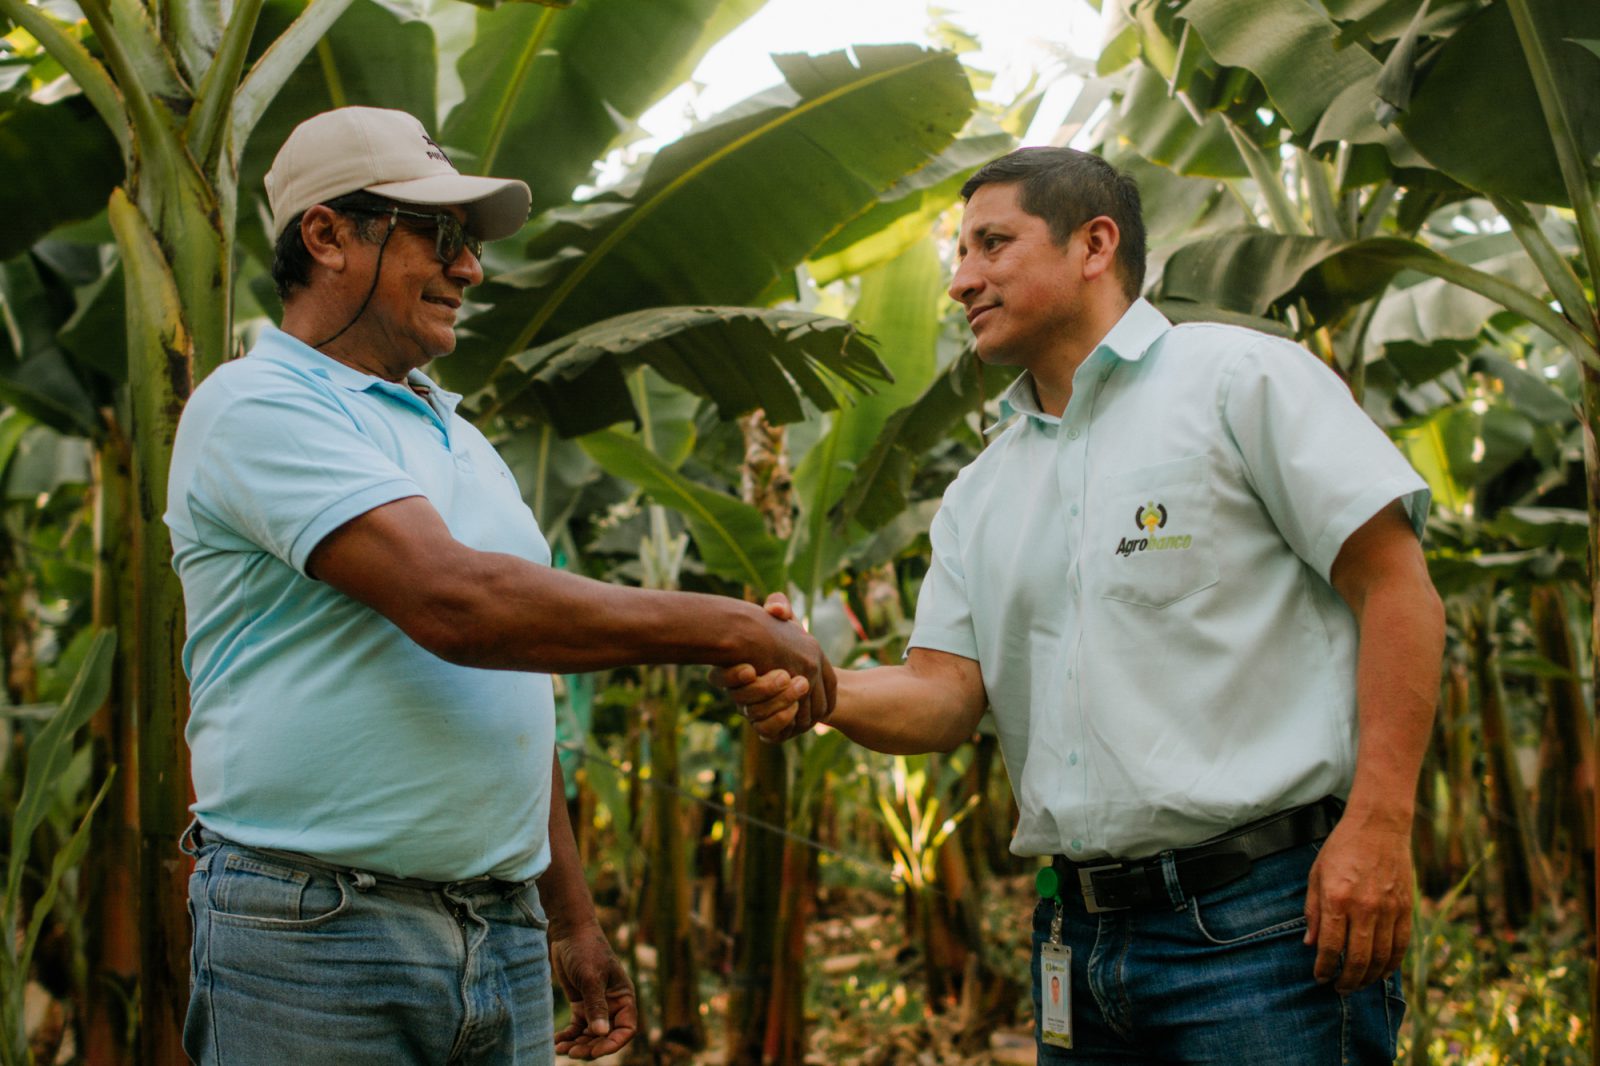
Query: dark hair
x: 1067, y: 188
x: 291, y: 261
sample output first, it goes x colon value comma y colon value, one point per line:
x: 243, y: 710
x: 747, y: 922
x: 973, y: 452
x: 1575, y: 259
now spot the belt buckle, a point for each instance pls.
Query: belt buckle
x: 1086, y: 883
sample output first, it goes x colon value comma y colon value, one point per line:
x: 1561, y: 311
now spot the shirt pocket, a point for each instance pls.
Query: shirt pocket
x: 1157, y: 543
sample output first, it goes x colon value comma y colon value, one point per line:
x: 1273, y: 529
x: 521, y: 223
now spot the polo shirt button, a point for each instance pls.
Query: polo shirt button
x: 1076, y: 845
x: 1069, y: 673
x: 1074, y: 508
x: 1072, y: 759
x: 1072, y: 434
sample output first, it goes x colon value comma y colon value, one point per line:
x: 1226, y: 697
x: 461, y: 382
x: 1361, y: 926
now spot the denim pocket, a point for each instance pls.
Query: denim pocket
x: 1252, y: 908
x: 531, y: 908
x: 254, y: 891
x: 1394, y: 1005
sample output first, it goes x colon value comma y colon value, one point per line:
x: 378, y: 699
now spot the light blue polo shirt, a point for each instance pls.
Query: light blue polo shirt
x: 317, y: 726
x: 1144, y: 584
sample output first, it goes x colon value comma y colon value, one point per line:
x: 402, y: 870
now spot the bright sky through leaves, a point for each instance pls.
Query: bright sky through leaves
x: 1016, y: 39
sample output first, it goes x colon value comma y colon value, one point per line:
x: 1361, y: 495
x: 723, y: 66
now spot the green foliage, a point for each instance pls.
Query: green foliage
x: 1507, y: 149
x: 49, y: 758
x: 799, y: 158
x: 547, y: 93
x: 729, y: 533
x: 1502, y: 1000
x: 740, y: 358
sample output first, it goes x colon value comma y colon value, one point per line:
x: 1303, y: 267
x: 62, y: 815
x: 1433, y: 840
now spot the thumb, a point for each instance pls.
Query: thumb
x: 777, y: 606
x: 1313, y: 909
x: 595, y: 1007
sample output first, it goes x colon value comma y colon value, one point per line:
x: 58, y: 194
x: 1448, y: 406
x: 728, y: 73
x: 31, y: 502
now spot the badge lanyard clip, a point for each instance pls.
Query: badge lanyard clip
x: 1055, y: 969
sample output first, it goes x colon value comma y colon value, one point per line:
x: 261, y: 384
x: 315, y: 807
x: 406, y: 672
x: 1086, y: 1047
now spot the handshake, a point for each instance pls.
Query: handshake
x: 793, y: 695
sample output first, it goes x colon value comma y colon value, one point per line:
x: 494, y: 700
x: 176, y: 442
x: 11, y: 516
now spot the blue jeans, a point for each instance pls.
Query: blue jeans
x: 1218, y: 978
x: 296, y: 962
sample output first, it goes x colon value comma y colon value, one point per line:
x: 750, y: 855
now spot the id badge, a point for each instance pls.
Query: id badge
x: 1055, y: 998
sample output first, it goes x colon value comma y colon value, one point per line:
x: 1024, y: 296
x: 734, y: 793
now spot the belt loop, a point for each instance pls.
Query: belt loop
x: 363, y: 880
x: 189, y: 842
x: 1169, y: 877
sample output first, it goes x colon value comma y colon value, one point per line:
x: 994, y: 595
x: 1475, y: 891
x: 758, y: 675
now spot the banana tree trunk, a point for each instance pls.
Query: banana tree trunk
x: 1566, y: 790
x: 763, y: 795
x: 785, y: 1040
x: 758, y: 882
x: 1464, y: 822
x: 1426, y: 844
x: 1591, y: 467
x: 111, y: 995
x: 1511, y: 821
x: 160, y: 357
x: 677, y: 975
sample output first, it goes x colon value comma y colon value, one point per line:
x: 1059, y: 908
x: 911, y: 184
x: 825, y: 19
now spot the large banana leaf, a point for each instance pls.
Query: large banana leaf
x: 724, y: 213
x: 547, y: 91
x: 1434, y: 310
x: 374, y: 56
x: 1476, y: 116
x: 880, y: 488
x: 60, y: 163
x: 906, y: 212
x: 36, y: 376
x: 1253, y: 270
x: 739, y: 357
x: 899, y: 305
x: 1161, y: 130
x: 730, y: 535
x: 1288, y: 45
x: 1352, y: 117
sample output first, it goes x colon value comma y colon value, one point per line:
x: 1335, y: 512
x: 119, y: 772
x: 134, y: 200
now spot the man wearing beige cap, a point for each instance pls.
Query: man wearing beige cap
x: 372, y: 622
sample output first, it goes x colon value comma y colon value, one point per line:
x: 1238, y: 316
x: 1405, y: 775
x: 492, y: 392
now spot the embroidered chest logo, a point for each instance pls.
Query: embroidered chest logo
x: 1147, y: 519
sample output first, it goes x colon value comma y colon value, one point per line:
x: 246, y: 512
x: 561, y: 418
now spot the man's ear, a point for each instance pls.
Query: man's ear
x: 327, y: 235
x: 1100, y: 240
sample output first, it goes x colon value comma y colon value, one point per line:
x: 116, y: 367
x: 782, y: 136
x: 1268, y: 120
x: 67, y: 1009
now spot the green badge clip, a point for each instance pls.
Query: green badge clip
x: 1048, y: 884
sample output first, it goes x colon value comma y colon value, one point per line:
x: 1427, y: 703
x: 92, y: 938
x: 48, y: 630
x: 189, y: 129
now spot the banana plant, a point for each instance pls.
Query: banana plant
x: 49, y: 757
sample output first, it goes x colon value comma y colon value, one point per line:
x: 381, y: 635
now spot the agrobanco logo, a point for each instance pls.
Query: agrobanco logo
x: 1147, y: 519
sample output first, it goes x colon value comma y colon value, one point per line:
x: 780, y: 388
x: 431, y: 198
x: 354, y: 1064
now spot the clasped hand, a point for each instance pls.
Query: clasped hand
x: 780, y: 703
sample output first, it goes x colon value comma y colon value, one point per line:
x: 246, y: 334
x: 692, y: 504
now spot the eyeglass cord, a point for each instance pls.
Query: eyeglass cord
x: 377, y: 272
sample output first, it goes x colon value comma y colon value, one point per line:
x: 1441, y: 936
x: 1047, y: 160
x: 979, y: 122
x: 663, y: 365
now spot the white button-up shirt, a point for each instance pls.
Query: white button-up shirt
x: 1144, y: 584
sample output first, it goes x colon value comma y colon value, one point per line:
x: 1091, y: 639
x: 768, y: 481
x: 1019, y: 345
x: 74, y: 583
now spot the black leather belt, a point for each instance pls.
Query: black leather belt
x: 1109, y: 885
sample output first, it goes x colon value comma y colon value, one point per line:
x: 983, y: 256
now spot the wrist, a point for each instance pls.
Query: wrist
x: 1379, y: 816
x: 575, y: 929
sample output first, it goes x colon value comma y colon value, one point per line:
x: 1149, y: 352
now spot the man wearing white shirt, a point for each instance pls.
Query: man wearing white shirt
x: 1187, y: 580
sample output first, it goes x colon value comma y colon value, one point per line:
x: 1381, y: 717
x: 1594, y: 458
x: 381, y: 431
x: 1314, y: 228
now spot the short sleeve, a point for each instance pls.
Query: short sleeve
x: 1320, y: 466
x: 279, y: 464
x: 944, y: 614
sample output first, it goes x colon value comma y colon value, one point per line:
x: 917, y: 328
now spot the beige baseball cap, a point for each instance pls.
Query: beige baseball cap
x: 388, y: 153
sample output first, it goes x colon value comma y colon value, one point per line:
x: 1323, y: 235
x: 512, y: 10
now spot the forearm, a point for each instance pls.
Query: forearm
x: 507, y: 613
x: 1397, y: 685
x: 562, y: 887
x: 898, y: 711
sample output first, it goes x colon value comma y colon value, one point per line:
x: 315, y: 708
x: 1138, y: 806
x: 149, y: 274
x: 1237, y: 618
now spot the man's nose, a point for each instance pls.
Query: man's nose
x: 964, y: 283
x: 465, y: 268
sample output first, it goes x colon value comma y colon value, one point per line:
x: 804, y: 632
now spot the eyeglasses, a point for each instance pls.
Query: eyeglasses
x: 449, y: 233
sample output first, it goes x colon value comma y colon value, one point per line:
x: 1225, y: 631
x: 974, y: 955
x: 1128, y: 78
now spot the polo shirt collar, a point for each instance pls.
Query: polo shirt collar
x: 286, y: 348
x: 1140, y: 326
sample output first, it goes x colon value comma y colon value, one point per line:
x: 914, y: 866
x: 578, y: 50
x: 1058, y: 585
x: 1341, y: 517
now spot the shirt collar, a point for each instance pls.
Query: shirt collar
x: 289, y: 349
x: 1140, y: 326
